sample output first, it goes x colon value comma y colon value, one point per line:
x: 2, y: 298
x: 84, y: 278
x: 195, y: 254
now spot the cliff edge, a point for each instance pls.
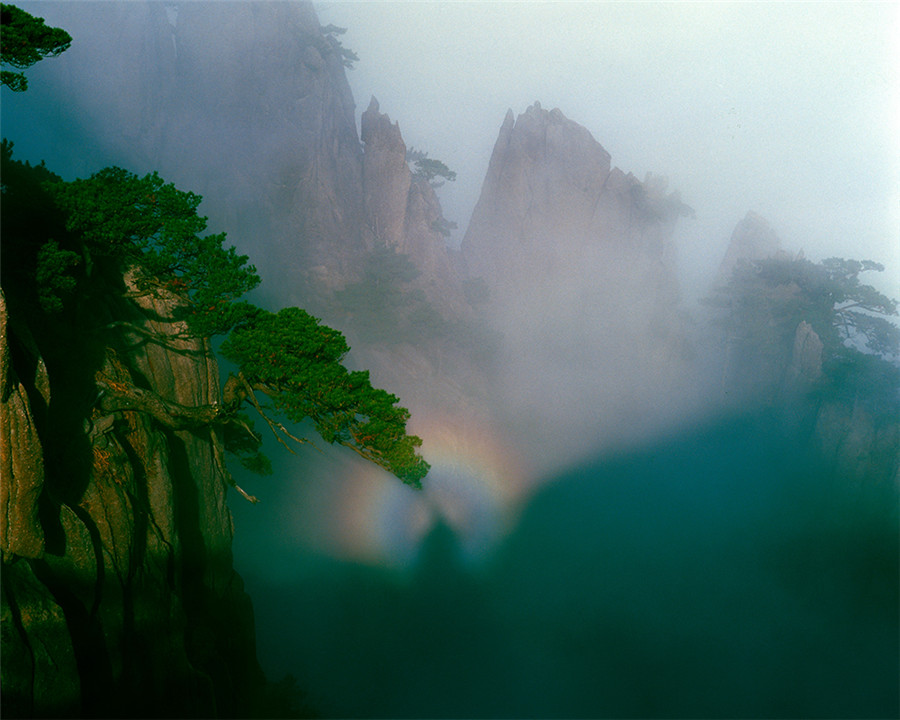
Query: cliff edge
x: 119, y: 595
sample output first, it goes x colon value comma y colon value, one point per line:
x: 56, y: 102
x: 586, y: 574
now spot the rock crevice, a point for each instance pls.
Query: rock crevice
x: 118, y: 587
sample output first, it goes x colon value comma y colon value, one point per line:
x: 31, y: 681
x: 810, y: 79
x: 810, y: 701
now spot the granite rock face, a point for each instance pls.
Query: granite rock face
x: 806, y: 356
x: 119, y: 594
x: 403, y: 212
x: 21, y: 452
x: 580, y: 269
x: 545, y: 177
x: 269, y: 139
x: 244, y: 103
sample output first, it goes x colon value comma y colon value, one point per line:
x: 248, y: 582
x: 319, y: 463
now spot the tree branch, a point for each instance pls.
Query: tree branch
x: 218, y: 454
x: 162, y: 339
x: 368, y: 456
x: 125, y: 396
x: 120, y: 396
x: 273, y: 425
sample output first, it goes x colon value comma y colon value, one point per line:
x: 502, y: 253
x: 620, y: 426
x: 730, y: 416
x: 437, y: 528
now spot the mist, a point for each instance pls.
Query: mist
x: 781, y: 108
x: 624, y: 517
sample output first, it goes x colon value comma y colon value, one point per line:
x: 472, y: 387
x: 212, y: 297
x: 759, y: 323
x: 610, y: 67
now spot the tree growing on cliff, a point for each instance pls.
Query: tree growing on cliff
x: 115, y: 218
x: 780, y: 292
x: 765, y: 301
x: 25, y: 40
x: 348, y: 57
x: 429, y: 168
x: 297, y: 362
x: 147, y: 221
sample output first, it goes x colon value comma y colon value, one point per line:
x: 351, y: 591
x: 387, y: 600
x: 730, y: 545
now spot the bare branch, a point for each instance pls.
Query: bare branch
x: 251, y: 498
x: 250, y: 431
x: 162, y: 339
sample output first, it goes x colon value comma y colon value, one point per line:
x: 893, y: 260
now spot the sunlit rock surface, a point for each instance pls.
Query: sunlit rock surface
x: 402, y: 211
x: 119, y: 595
x: 21, y: 452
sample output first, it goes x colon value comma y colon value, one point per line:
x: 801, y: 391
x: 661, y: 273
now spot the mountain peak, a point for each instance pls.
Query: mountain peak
x: 578, y: 260
x: 753, y: 238
x: 376, y: 128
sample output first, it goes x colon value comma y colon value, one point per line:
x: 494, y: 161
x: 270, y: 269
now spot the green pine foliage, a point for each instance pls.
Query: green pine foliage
x: 245, y: 445
x: 146, y: 221
x: 347, y: 56
x: 296, y: 361
x: 25, y: 40
x: 118, y: 213
x: 765, y: 301
x: 780, y: 293
x: 64, y: 235
x: 53, y: 275
x: 430, y: 169
x: 39, y: 254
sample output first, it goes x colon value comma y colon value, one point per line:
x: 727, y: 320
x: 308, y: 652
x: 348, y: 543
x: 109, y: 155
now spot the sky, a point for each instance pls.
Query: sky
x: 787, y: 109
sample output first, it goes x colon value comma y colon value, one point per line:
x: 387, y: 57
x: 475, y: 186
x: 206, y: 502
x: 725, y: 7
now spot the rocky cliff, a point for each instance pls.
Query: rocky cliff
x: 753, y: 238
x: 402, y: 211
x: 410, y: 321
x: 770, y: 354
x: 579, y: 265
x: 245, y: 103
x: 119, y: 596
x: 269, y: 139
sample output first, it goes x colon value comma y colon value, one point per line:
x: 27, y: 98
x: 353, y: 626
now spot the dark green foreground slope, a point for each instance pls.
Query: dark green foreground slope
x: 724, y: 572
